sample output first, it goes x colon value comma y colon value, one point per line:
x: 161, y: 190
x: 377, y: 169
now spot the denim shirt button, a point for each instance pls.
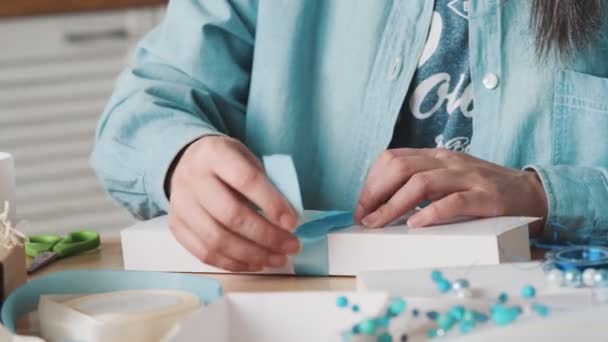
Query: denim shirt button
x: 490, y: 81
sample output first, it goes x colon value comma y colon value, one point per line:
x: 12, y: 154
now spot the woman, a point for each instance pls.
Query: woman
x: 520, y: 85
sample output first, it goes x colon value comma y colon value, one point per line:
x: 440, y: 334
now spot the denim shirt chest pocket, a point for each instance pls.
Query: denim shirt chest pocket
x: 580, y: 119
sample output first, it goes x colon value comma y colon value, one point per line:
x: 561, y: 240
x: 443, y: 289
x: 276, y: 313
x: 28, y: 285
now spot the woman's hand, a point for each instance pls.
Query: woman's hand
x: 212, y: 189
x: 456, y: 183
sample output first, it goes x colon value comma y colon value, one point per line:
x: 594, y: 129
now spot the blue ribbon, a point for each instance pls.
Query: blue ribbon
x: 579, y: 257
x: 313, y: 258
x: 25, y: 298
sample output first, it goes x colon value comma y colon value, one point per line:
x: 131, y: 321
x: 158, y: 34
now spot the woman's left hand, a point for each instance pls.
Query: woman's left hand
x: 458, y: 184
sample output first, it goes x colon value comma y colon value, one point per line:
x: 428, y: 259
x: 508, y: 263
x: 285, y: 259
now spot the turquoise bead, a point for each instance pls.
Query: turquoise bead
x: 480, y: 317
x: 432, y: 333
x: 415, y: 312
x: 397, y: 306
x: 432, y: 315
x: 436, y: 275
x: 443, y: 285
x: 528, y: 291
x: 342, y: 302
x: 466, y: 326
x: 540, y: 309
x: 505, y: 316
x: 385, y: 337
x: 503, y: 297
x: 469, y: 315
x: 445, y: 321
x: 457, y: 312
x: 383, y: 321
x: 355, y: 308
x: 368, y: 327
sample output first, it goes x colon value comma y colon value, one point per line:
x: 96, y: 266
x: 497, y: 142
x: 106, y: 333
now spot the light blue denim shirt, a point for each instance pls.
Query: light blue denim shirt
x: 324, y: 82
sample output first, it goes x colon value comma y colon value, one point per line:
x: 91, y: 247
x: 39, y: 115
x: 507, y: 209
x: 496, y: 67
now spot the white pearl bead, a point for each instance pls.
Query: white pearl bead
x: 459, y: 284
x: 464, y: 293
x: 555, y: 278
x: 601, y: 278
x: 573, y: 278
x: 589, y: 277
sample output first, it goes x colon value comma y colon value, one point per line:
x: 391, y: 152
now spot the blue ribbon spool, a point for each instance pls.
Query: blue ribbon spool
x: 25, y: 298
x: 579, y: 257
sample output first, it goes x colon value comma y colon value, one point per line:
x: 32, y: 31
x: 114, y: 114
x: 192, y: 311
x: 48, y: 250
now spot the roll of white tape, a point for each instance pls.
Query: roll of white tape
x: 7, y: 185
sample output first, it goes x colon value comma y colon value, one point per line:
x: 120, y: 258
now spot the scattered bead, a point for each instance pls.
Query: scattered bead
x: 432, y: 333
x: 355, y: 308
x: 481, y: 317
x: 404, y: 338
x: 589, y: 277
x: 504, y: 316
x: 383, y: 321
x: 503, y: 297
x: 573, y: 278
x: 415, y: 312
x: 464, y: 293
x: 469, y: 315
x: 540, y: 309
x: 601, y: 278
x: 457, y: 312
x: 385, y: 337
x: 443, y: 285
x: 460, y: 284
x: 436, y: 275
x: 432, y: 315
x: 445, y: 321
x: 555, y: 277
x: 368, y: 327
x: 528, y: 292
x: 397, y: 306
x: 342, y: 302
x: 356, y: 330
x: 466, y: 326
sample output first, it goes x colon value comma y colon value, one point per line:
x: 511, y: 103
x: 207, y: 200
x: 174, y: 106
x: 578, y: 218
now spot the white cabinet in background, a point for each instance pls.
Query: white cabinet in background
x: 56, y: 75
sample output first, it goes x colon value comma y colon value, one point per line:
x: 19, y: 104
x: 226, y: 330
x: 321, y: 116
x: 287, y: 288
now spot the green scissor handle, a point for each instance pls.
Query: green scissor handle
x: 74, y: 243
x: 37, y: 244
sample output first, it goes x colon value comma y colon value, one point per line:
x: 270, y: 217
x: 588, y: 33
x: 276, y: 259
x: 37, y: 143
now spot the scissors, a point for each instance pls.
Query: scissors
x: 46, y: 248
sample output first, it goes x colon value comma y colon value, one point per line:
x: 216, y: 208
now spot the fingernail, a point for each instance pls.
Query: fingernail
x: 276, y: 260
x: 288, y: 222
x: 414, y: 222
x: 291, y: 246
x: 370, y: 219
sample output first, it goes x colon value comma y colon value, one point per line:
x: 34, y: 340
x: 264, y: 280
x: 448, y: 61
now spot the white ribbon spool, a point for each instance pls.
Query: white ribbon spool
x: 7, y: 185
x: 137, y: 315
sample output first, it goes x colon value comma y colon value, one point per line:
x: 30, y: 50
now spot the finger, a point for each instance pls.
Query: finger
x: 222, y: 241
x: 421, y: 186
x: 466, y: 203
x: 197, y: 248
x: 227, y: 209
x: 247, y: 178
x: 387, y: 176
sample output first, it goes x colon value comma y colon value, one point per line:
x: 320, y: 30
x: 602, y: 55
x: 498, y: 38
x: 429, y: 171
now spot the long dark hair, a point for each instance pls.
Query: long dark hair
x: 566, y: 26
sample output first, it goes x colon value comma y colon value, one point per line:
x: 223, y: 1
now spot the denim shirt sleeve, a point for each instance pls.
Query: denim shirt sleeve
x: 189, y: 78
x: 577, y: 201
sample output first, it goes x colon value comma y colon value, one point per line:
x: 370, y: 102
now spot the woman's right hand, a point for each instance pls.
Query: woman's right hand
x: 214, y: 189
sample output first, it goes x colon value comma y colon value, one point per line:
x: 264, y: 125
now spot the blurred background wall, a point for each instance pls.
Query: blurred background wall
x: 58, y: 62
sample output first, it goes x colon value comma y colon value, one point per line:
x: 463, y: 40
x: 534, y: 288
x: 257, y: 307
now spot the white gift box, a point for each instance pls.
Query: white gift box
x: 150, y: 245
x: 296, y: 317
